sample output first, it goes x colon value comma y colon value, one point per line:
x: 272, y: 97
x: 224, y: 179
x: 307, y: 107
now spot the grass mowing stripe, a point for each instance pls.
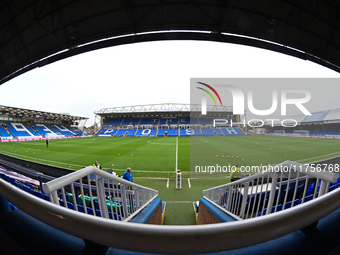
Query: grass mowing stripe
x: 36, y: 159
x: 153, y: 156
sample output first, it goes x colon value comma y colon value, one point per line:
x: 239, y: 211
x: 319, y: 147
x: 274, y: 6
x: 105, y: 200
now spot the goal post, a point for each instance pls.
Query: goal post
x: 301, y: 132
x: 282, y: 132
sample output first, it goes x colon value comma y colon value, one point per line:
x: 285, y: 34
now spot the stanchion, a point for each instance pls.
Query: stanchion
x: 178, y: 179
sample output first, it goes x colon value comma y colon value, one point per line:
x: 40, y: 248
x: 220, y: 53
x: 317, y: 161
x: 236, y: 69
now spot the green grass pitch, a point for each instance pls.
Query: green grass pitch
x: 161, y: 156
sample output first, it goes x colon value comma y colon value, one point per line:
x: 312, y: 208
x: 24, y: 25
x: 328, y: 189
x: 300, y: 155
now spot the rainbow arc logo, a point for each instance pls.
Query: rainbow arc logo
x: 209, y: 93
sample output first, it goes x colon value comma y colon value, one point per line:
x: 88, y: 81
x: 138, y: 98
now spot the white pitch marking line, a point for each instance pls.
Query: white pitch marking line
x: 167, y: 183
x: 189, y: 184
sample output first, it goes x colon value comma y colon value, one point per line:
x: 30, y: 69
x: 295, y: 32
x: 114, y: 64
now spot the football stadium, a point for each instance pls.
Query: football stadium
x: 170, y: 178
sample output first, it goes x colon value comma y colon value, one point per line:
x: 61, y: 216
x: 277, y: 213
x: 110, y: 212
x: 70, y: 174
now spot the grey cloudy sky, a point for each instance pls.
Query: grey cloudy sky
x: 144, y: 73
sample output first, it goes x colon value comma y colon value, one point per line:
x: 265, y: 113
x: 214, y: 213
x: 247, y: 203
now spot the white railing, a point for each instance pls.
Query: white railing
x: 172, y: 239
x: 95, y: 192
x: 281, y: 187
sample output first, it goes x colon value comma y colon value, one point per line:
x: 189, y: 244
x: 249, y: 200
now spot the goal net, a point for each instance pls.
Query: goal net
x: 301, y: 132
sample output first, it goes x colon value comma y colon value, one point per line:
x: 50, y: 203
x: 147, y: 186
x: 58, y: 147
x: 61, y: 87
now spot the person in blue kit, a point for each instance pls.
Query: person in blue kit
x: 128, y: 175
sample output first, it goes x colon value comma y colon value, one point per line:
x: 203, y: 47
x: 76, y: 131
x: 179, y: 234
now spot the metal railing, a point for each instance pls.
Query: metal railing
x: 95, y: 192
x: 283, y: 186
x: 172, y: 239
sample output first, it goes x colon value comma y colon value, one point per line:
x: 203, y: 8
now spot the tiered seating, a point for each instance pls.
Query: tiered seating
x: 64, y: 130
x: 239, y: 132
x: 186, y: 132
x: 210, y: 132
x: 18, y: 130
x: 32, y: 131
x: 205, y: 121
x: 184, y: 121
x: 55, y: 130
x: 126, y: 132
x: 25, y: 186
x: 131, y: 121
x: 146, y: 132
x: 232, y: 131
x: 78, y: 132
x: 45, y: 130
x: 168, y: 121
x: 107, y: 132
x: 29, y: 188
x: 170, y: 132
x: 149, y: 121
x: 194, y: 121
x: 4, y: 134
x: 114, y: 122
x: 313, y: 129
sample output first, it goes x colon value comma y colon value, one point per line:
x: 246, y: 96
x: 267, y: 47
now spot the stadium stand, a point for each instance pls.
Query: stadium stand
x: 65, y: 131
x: 114, y: 122
x: 232, y: 131
x: 211, y: 132
x: 126, y: 132
x: 194, y: 121
x: 55, y: 130
x: 205, y: 121
x: 4, y: 134
x: 78, y: 132
x: 44, y: 130
x: 18, y: 130
x: 149, y: 121
x: 130, y: 121
x: 184, y: 121
x: 32, y: 130
x: 314, y: 129
x: 188, y: 132
x: 146, y: 132
x: 167, y: 132
x: 107, y: 132
x: 168, y: 121
x: 170, y: 132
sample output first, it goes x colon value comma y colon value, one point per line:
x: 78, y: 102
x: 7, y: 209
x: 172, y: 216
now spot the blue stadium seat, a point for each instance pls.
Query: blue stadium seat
x: 131, y: 121
x: 170, y: 132
x: 149, y: 121
x: 63, y: 130
x: 107, y: 132
x: 290, y: 203
x: 146, y: 132
x: 168, y: 121
x: 28, y: 189
x: 114, y: 122
x: 38, y: 194
x: 115, y: 216
x: 69, y: 205
x: 126, y: 132
x: 4, y: 134
x: 47, y: 197
x: 18, y: 130
x: 307, y: 198
x: 89, y: 211
x: 81, y: 208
